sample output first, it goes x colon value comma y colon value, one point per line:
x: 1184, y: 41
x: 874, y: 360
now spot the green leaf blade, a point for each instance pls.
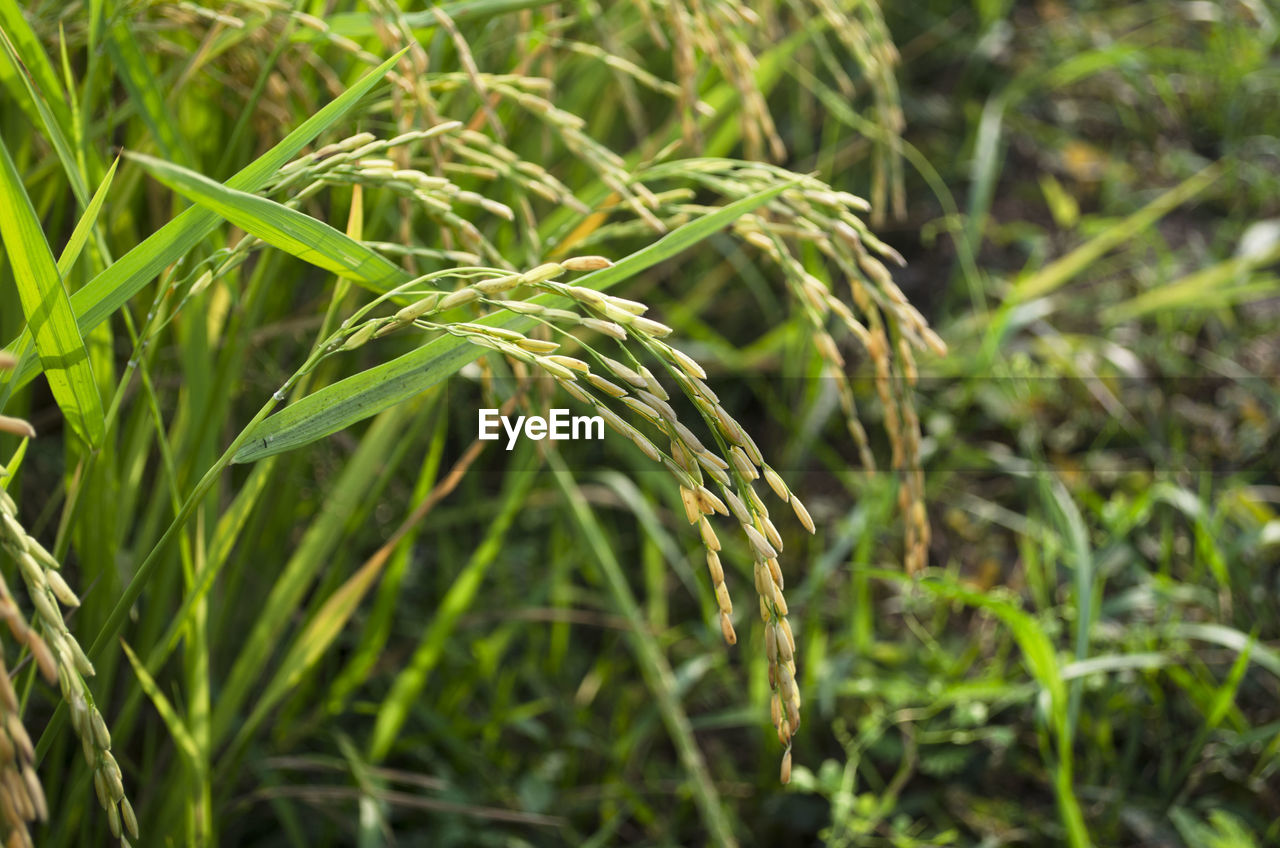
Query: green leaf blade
x: 289, y: 230
x: 80, y: 235
x: 47, y: 308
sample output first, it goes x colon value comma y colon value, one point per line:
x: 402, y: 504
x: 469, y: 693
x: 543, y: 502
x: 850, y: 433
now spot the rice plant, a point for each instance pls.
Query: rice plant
x: 423, y: 218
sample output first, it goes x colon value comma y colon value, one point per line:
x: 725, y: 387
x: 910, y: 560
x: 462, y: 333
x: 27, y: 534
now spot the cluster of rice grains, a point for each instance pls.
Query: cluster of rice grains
x: 621, y: 390
x: 59, y: 657
x: 807, y: 223
x: 823, y: 226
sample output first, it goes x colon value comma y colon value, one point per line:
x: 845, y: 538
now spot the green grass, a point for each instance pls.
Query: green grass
x: 320, y: 613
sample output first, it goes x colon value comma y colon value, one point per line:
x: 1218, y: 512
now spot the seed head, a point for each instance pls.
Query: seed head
x: 761, y: 545
x: 709, y: 537
x: 726, y: 630
x: 802, y: 514
x: 585, y: 263
x: 458, y: 298
x: 775, y: 482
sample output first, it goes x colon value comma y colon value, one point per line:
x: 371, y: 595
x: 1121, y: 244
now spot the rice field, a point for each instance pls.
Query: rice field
x: 509, y: 423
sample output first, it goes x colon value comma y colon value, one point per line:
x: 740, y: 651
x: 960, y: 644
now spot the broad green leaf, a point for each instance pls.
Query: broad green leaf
x: 279, y: 226
x: 111, y: 289
x: 47, y: 308
x: 357, y: 397
x: 80, y: 235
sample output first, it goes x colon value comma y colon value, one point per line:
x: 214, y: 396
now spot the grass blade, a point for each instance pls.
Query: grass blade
x: 287, y: 229
x: 357, y: 397
x: 47, y: 308
x: 54, y: 124
x: 27, y: 65
x: 653, y: 663
x: 1220, y: 285
x: 1057, y: 273
x: 412, y: 679
x: 80, y: 235
x: 182, y: 737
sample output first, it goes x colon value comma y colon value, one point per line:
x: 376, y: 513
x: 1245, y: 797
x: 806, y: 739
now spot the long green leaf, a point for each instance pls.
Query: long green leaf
x: 111, y: 289
x: 412, y: 678
x: 1221, y: 284
x: 182, y: 738
x: 357, y: 25
x: 80, y: 235
x: 357, y: 397
x: 279, y: 226
x: 47, y: 308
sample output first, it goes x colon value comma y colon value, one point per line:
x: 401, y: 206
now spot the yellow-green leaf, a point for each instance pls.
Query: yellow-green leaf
x: 48, y: 308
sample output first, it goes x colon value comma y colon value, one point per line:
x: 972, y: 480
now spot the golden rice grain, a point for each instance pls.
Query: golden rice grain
x: 458, y: 298
x: 722, y: 599
x: 775, y: 571
x: 650, y: 327
x: 802, y: 514
x: 570, y: 362
x: 706, y: 459
x: 742, y: 464
x: 761, y: 545
x: 715, y: 568
x: 691, y: 509
x: 627, y: 374
x: 771, y: 533
x: 709, y: 503
x: 630, y: 307
x: 736, y: 507
x: 709, y: 537
x: 775, y: 482
x: 686, y: 362
x: 17, y: 427
x: 727, y: 631
x: 608, y: 328
x: 611, y: 389
x: 585, y: 263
